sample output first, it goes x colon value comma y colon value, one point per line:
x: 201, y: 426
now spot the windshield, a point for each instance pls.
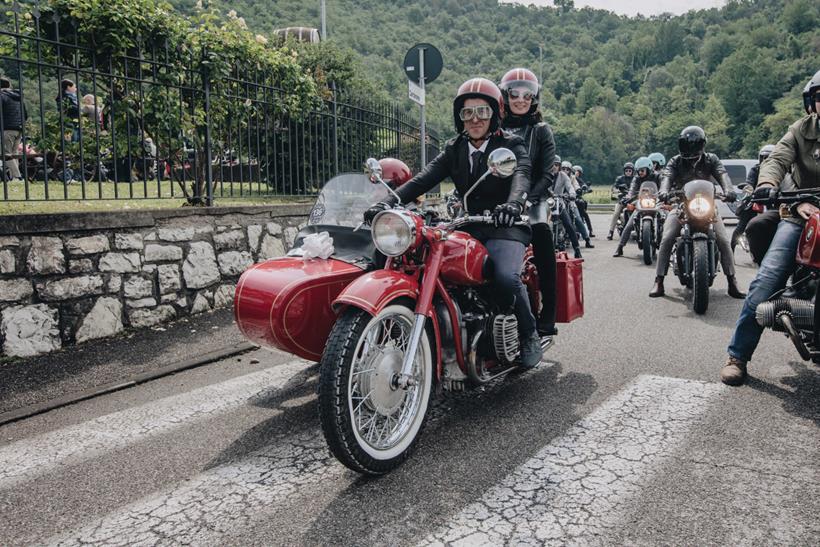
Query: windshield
x: 649, y: 188
x: 344, y: 199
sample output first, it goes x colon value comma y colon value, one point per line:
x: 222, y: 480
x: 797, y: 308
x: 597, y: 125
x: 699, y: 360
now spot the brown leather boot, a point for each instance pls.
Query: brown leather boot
x: 657, y: 290
x: 734, y: 292
x: 733, y: 372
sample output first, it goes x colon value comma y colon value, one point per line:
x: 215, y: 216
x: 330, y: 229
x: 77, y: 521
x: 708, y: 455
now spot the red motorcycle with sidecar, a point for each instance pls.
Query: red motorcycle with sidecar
x: 398, y: 309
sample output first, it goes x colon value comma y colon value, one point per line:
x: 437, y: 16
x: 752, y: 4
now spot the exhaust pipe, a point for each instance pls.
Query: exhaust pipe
x: 801, y: 313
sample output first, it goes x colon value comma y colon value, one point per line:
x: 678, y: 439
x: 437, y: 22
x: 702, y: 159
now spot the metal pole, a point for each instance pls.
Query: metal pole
x: 540, y: 64
x: 422, y: 124
x: 324, y: 22
x: 209, y: 197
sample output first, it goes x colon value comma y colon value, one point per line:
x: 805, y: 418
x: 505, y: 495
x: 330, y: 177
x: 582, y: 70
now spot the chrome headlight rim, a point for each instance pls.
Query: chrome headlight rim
x: 408, y: 238
x: 699, y: 207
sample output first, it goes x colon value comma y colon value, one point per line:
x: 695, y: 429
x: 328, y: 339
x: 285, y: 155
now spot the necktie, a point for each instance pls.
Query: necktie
x: 476, y: 171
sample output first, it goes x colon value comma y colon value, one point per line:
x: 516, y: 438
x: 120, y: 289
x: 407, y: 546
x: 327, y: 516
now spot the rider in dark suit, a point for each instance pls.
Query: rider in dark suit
x: 477, y: 111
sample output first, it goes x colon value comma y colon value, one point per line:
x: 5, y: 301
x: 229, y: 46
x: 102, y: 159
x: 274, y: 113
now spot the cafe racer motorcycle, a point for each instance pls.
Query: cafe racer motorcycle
x: 419, y: 316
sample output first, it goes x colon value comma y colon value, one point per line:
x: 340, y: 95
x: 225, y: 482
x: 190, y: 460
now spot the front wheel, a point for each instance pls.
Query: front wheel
x: 646, y: 242
x: 370, y: 424
x: 700, y: 275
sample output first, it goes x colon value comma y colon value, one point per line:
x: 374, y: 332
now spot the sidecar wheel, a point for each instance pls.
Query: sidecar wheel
x: 371, y: 426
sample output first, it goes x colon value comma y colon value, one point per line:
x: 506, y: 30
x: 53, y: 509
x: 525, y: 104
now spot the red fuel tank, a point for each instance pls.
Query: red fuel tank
x: 285, y: 302
x: 808, y: 251
x: 570, y: 288
x: 463, y: 260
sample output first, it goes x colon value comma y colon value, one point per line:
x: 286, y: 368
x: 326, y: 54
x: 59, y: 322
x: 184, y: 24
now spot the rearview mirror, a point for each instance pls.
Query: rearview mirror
x: 373, y: 169
x: 502, y: 162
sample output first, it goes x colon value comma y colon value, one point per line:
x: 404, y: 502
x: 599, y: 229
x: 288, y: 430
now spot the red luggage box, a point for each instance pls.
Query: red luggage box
x: 570, y: 288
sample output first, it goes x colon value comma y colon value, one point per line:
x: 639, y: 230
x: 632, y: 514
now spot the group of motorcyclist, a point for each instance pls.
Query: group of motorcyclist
x: 489, y: 116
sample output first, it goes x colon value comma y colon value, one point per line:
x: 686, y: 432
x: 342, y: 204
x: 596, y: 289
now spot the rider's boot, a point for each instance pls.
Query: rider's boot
x: 545, y: 327
x: 589, y: 244
x: 619, y: 251
x: 609, y: 235
x: 733, y: 291
x: 657, y: 290
x: 578, y: 252
x: 531, y: 353
x: 733, y: 372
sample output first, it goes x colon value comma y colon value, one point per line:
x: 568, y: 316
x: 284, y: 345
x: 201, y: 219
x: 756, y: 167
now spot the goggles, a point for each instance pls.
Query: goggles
x: 482, y: 112
x: 521, y: 92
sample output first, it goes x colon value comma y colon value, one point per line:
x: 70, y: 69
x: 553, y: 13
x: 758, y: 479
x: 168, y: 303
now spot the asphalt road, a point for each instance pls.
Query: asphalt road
x: 623, y: 436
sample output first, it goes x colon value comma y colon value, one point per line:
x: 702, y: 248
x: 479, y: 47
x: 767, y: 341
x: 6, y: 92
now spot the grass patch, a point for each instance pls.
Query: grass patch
x: 57, y: 197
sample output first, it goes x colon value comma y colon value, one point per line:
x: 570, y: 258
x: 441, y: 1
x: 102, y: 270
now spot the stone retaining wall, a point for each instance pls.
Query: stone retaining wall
x: 65, y: 279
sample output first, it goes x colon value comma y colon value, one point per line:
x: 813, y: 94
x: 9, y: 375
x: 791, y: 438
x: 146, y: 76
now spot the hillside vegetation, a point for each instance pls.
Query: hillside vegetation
x: 614, y: 87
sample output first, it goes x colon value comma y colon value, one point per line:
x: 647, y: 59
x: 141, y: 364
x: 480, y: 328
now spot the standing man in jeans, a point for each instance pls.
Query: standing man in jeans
x: 799, y: 150
x: 13, y: 117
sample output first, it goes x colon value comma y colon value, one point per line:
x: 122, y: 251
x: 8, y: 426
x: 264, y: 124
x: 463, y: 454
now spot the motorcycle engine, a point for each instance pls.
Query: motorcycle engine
x: 505, y: 338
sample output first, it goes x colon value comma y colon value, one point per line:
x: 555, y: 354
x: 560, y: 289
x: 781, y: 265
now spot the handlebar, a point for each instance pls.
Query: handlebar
x: 790, y: 197
x: 479, y: 219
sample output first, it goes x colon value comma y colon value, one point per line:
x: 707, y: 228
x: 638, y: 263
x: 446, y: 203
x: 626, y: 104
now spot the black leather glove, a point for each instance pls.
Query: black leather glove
x: 730, y: 197
x: 623, y: 201
x: 506, y: 214
x: 374, y: 210
x: 764, y: 192
x: 663, y: 196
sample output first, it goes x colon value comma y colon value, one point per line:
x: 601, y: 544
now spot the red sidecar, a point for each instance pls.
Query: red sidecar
x: 285, y: 303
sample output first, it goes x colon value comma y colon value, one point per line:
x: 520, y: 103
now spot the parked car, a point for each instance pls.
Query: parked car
x: 737, y: 169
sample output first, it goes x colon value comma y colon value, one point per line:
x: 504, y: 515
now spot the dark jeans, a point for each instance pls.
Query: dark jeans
x: 569, y: 227
x: 543, y: 252
x: 760, y: 232
x: 775, y: 269
x: 508, y: 258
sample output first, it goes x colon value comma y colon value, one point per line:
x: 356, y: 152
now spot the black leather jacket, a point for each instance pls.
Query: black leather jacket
x: 679, y: 171
x: 636, y: 185
x: 540, y: 145
x: 453, y: 162
x: 622, y: 183
x: 13, y: 110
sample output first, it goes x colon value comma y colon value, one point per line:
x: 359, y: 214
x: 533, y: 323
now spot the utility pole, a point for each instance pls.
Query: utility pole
x: 324, y: 21
x: 541, y: 64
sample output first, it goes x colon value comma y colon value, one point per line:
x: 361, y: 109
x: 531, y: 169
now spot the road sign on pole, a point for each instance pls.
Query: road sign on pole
x: 422, y: 65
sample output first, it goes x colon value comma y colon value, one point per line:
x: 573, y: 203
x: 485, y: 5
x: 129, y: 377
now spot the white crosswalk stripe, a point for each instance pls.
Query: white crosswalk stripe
x: 28, y: 458
x: 575, y: 489
x: 218, y: 501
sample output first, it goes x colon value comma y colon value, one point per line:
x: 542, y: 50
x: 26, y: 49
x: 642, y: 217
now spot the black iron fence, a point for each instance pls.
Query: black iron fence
x: 135, y: 126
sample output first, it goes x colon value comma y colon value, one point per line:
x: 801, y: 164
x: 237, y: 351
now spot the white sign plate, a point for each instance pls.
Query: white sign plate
x: 416, y: 92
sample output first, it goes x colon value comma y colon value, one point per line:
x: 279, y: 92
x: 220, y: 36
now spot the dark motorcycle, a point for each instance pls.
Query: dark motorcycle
x: 649, y: 222
x: 794, y: 310
x: 561, y: 240
x: 696, y: 255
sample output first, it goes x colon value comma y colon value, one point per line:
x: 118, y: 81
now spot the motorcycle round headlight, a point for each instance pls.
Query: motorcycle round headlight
x: 700, y: 207
x: 393, y: 232
x: 647, y: 203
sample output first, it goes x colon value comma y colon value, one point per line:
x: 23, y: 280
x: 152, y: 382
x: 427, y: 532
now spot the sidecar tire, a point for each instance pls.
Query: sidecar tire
x: 334, y: 413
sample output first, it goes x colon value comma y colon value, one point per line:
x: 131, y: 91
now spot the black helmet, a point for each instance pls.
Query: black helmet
x: 692, y: 142
x: 629, y: 165
x: 765, y: 152
x: 811, y: 87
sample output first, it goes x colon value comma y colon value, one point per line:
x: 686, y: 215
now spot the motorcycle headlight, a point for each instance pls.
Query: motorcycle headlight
x: 647, y: 203
x: 394, y: 232
x: 700, y: 207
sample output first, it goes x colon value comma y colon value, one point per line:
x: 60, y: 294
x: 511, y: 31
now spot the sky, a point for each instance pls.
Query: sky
x: 634, y: 7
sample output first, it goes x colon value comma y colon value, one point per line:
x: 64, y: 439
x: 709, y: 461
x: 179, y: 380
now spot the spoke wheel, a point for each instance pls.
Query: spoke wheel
x: 371, y: 425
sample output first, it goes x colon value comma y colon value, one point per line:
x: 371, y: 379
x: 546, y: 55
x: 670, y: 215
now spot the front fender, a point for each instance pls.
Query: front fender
x: 373, y: 291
